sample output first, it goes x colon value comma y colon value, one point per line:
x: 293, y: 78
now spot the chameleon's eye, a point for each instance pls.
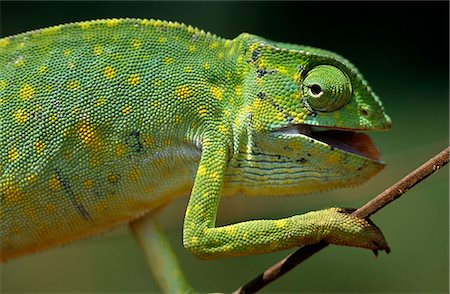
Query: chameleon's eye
x: 326, y: 88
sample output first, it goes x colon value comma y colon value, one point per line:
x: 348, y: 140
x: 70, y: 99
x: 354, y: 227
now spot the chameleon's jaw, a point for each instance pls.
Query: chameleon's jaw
x: 346, y: 140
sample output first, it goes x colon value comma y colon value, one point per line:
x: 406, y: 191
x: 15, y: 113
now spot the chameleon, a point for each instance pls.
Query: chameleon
x: 105, y: 122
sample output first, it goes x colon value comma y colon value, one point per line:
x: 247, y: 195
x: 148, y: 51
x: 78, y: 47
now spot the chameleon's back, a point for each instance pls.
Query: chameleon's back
x: 93, y: 117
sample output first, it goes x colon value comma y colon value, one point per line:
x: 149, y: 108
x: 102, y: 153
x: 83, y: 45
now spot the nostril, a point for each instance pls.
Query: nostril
x: 364, y: 111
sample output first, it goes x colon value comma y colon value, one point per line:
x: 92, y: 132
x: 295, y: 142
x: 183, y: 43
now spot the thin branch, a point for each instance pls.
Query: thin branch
x: 371, y: 207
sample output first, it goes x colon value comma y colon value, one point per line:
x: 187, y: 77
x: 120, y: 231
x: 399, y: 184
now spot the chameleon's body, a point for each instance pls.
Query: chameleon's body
x: 104, y: 121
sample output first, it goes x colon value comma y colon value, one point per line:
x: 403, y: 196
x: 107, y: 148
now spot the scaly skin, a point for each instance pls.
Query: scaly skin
x: 104, y: 121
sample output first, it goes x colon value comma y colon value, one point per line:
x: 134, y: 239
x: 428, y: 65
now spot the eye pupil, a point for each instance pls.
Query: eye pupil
x: 316, y: 89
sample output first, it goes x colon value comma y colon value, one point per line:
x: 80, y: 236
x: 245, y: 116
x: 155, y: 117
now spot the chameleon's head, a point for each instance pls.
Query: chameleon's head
x: 306, y: 106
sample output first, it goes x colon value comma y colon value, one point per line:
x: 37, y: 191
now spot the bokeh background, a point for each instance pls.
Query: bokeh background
x: 402, y: 50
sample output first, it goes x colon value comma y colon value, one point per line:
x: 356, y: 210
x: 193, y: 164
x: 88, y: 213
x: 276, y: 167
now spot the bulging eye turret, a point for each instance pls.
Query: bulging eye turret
x: 326, y: 88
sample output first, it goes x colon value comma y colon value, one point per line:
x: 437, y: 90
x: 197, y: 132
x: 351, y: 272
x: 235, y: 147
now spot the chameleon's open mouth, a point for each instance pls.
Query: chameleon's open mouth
x: 345, y: 139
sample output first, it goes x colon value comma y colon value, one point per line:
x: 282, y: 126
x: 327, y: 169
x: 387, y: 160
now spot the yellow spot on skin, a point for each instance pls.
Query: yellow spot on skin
x: 101, y: 207
x: 21, y: 115
x: 183, y: 92
x: 51, y: 31
x: 168, y: 60
x: 88, y: 135
x: 84, y: 25
x: 136, y: 44
x: 11, y: 194
x: 238, y: 90
x: 280, y: 223
x: 134, y: 174
x: 30, y: 212
x: 192, y: 48
x: 32, y: 178
x: 53, y: 117
x: 155, y: 104
x: 13, y: 154
x: 216, y: 92
x: 4, y: 42
x: 214, y: 45
x: 205, y: 195
x: 109, y: 72
x: 3, y: 85
x: 72, y: 65
x: 67, y: 52
x: 230, y: 230
x: 134, y: 79
x: 39, y: 146
x: 168, y: 142
x: 280, y: 116
x: 113, y: 178
x: 194, y: 240
x: 43, y: 69
x: 220, y: 152
x: 15, y: 229
x: 188, y: 69
x: 26, y: 92
x: 206, y: 66
x: 202, y: 111
x: 178, y: 119
x: 162, y: 40
x: 127, y: 109
x: 201, y: 170
x: 215, y: 176
x: 75, y: 109
x: 73, y: 85
x: 98, y: 50
x: 282, y: 69
x: 120, y: 150
x: 157, y: 83
x: 50, y: 208
x: 220, y: 55
x: 54, y: 183
x: 223, y: 129
x: 112, y: 22
x: 147, y: 22
x: 89, y: 183
x: 257, y: 104
x: 148, y: 141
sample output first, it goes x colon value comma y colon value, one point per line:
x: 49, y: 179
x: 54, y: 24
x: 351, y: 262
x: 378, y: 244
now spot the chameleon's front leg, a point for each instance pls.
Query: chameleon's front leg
x: 205, y: 240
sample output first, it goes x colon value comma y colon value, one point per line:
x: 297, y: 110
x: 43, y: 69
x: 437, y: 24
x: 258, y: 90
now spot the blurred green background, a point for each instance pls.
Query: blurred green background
x: 402, y: 50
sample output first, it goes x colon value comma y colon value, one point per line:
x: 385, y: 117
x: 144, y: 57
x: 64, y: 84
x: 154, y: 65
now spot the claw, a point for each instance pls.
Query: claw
x: 387, y: 250
x: 375, y: 252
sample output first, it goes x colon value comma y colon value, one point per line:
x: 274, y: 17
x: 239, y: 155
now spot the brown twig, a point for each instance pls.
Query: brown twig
x: 371, y: 207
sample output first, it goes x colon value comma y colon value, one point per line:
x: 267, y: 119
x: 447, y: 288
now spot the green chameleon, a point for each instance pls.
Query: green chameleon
x: 104, y: 122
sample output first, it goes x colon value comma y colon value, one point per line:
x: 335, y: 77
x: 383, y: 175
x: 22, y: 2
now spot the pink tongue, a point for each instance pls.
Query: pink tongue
x: 358, y: 143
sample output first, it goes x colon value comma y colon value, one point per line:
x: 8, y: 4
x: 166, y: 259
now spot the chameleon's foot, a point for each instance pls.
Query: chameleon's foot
x: 342, y: 228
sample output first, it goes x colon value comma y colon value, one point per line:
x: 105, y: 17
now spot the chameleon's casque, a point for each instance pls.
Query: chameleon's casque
x: 104, y: 121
